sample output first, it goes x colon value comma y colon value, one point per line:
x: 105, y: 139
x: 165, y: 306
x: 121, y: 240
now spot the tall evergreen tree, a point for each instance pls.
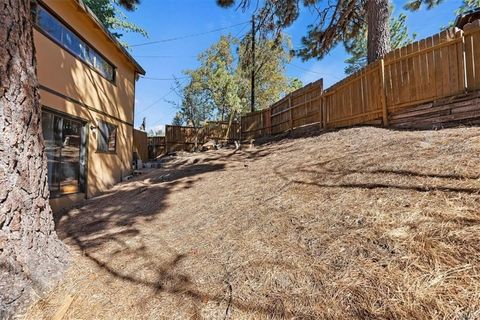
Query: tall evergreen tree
x: 31, y: 255
x: 336, y: 22
x: 357, y: 47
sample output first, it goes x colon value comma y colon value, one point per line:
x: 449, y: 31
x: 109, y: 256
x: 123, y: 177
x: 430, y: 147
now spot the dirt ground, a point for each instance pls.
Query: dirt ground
x: 363, y: 223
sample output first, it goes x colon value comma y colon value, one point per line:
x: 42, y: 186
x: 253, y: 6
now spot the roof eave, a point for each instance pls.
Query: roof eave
x: 97, y: 21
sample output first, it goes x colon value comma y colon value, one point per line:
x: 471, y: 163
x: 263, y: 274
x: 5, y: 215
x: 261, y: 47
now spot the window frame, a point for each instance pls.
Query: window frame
x: 41, y: 4
x: 99, y: 134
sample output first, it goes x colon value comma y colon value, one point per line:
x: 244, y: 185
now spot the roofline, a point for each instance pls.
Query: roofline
x: 97, y: 21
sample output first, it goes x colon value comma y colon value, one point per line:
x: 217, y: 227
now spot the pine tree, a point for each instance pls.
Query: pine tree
x: 31, y: 255
x: 336, y: 22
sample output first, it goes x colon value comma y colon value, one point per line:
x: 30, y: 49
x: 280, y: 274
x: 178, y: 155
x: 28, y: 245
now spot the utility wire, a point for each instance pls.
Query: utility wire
x: 163, y: 56
x: 311, y: 71
x: 188, y: 35
x: 165, y: 79
x: 155, y: 102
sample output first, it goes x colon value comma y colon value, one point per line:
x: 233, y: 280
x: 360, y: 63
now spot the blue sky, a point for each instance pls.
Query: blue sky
x: 175, y: 18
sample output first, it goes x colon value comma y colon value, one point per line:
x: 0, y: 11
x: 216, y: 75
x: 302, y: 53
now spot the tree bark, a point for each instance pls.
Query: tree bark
x: 31, y: 255
x: 378, y: 30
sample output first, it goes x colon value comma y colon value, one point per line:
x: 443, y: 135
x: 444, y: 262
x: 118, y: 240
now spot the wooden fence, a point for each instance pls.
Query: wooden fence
x: 443, y: 65
x: 182, y: 138
x: 220, y: 131
x: 156, y: 146
x: 140, y: 144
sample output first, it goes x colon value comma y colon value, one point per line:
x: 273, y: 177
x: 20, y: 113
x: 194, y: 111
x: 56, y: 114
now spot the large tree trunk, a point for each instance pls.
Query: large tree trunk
x: 31, y: 255
x: 378, y: 30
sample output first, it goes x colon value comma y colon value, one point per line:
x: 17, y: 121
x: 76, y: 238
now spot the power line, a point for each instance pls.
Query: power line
x: 163, y: 56
x: 165, y: 79
x: 311, y: 71
x: 155, y: 102
x: 188, y: 35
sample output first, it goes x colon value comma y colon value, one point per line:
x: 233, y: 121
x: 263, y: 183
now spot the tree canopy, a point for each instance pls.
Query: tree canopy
x: 220, y: 87
x: 357, y: 48
x: 335, y: 22
x: 109, y: 13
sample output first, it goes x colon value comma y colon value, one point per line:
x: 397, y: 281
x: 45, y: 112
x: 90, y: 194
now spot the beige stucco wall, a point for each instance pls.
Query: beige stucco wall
x: 70, y: 86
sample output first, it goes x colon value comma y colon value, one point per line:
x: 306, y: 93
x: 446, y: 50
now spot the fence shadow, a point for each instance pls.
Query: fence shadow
x: 324, y: 173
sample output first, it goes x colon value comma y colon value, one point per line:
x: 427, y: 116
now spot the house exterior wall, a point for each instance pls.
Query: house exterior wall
x: 71, y: 87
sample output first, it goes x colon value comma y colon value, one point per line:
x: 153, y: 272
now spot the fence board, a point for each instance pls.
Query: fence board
x: 440, y: 66
x: 156, y: 146
x: 472, y: 55
x: 427, y: 69
x: 356, y: 99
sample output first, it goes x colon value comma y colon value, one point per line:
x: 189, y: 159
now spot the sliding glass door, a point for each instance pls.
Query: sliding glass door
x: 65, y: 145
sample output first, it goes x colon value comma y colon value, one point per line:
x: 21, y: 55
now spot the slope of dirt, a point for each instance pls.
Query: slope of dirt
x: 360, y: 223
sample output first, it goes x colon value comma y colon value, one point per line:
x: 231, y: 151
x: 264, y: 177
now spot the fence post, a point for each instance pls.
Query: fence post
x: 464, y: 62
x: 166, y: 138
x: 384, y: 94
x: 323, y: 111
x: 290, y: 121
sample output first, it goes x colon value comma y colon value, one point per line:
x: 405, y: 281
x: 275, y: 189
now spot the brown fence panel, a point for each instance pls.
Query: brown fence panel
x: 140, y: 144
x: 255, y: 124
x: 426, y: 70
x: 356, y: 99
x: 306, y: 104
x: 180, y: 138
x: 472, y: 55
x: 217, y: 130
x: 281, y: 115
x: 156, y: 146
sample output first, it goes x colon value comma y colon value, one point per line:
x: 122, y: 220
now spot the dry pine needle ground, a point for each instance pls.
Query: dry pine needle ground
x: 362, y: 223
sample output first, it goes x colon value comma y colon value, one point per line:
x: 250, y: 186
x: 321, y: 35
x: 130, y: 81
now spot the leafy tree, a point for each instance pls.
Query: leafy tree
x: 113, y: 18
x: 467, y: 5
x: 294, y: 84
x: 357, y: 47
x: 335, y: 22
x: 31, y: 255
x: 220, y: 87
x: 270, y: 79
x: 195, y: 106
x: 178, y: 119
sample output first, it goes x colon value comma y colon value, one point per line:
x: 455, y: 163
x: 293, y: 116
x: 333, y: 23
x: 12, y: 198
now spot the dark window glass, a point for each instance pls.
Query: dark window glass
x: 49, y: 24
x: 69, y: 40
x: 106, y: 137
x: 63, y: 144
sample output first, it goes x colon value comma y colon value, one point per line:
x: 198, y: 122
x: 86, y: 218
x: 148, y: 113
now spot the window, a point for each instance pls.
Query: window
x: 70, y: 41
x: 106, y: 137
x: 65, y: 148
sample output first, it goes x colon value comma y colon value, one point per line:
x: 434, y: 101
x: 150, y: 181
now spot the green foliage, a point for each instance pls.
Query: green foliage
x: 357, y: 47
x: 271, y: 57
x: 414, y: 5
x: 113, y: 18
x: 335, y: 21
x: 220, y: 87
x: 467, y: 5
x: 294, y: 84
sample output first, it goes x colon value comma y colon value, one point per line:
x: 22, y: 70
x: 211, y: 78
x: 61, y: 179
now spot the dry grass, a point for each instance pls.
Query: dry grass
x: 361, y: 223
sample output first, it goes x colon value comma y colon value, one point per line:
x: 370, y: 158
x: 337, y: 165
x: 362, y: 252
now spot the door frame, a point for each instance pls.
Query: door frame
x: 86, y: 130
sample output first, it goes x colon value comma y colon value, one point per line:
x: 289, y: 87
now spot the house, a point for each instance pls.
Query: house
x: 87, y: 92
